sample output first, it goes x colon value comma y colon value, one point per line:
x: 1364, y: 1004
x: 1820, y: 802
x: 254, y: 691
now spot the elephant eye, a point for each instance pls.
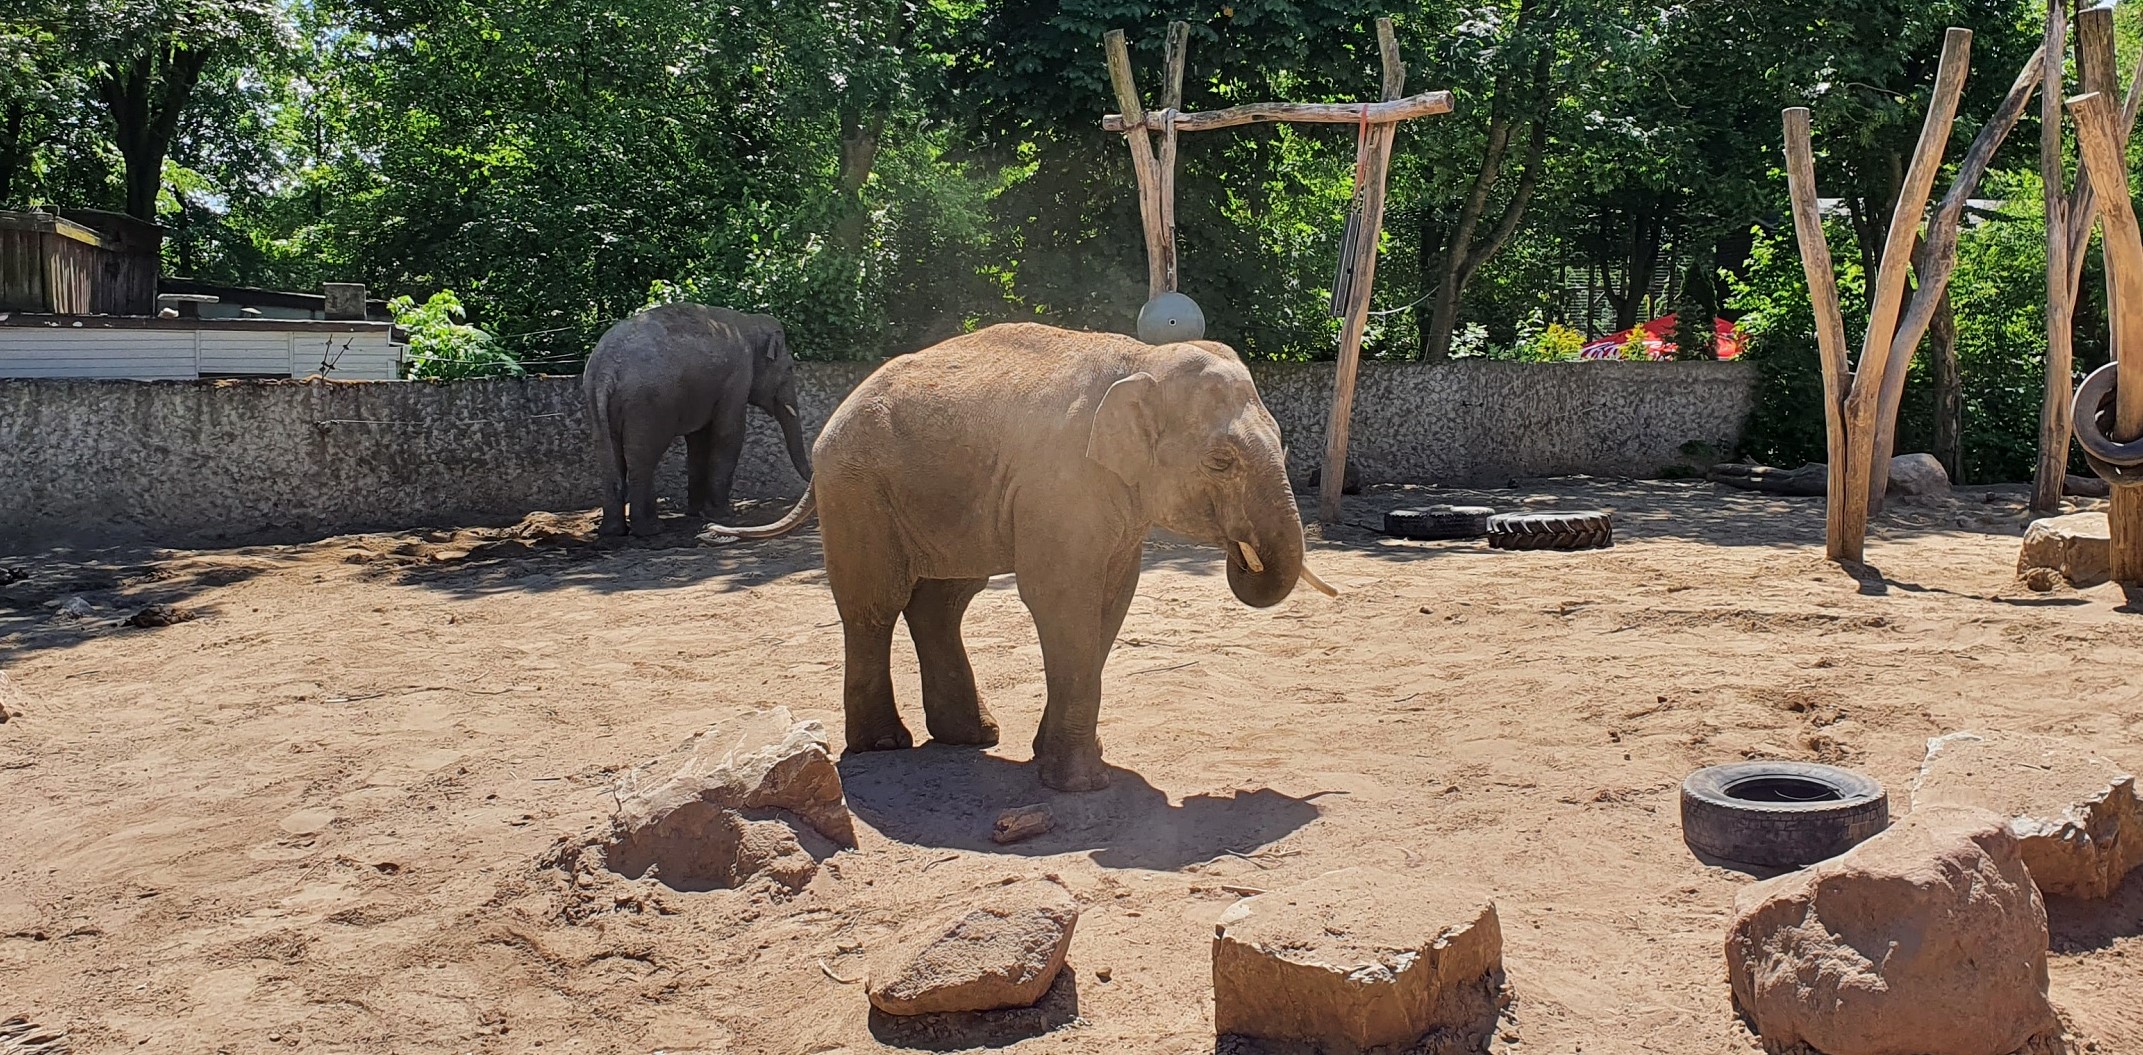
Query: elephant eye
x: 1220, y: 459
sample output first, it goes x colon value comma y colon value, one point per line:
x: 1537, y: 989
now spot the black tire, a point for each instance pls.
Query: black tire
x: 1438, y: 522
x: 1755, y: 813
x: 1562, y: 531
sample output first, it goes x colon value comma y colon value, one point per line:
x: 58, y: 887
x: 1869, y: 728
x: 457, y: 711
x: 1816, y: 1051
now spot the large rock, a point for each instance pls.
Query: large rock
x: 1928, y: 939
x: 2077, y: 816
x: 756, y: 797
x: 1358, y: 958
x: 1001, y: 949
x: 2077, y: 547
x: 1918, y: 474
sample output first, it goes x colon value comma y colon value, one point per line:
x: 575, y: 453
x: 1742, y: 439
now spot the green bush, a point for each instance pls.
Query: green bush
x: 442, y: 344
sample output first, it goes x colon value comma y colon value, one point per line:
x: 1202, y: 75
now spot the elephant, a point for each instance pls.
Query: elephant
x: 685, y: 370
x: 1047, y: 454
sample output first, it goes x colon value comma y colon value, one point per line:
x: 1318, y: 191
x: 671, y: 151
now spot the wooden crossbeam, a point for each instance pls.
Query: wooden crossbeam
x: 1156, y: 176
x: 1427, y: 104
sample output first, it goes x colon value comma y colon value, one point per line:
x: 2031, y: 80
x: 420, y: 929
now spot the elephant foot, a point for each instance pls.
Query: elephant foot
x: 610, y: 527
x: 1079, y: 769
x: 875, y: 737
x: 979, y: 730
x: 648, y: 528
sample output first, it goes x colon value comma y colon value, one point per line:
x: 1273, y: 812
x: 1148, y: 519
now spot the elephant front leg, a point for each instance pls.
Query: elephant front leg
x: 951, y: 705
x: 1076, y: 616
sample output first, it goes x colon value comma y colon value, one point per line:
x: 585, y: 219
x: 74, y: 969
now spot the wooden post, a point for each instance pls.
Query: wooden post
x: 1179, y: 43
x: 2053, y: 466
x: 1865, y: 480
x: 1936, y: 257
x: 1333, y: 478
x: 1840, y: 543
x: 2098, y: 141
x: 1160, y: 255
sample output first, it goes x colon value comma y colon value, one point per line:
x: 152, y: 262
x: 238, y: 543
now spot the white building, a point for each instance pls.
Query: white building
x: 146, y: 348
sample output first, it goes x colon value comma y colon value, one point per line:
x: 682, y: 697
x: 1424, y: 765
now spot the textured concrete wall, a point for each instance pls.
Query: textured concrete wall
x: 191, y: 461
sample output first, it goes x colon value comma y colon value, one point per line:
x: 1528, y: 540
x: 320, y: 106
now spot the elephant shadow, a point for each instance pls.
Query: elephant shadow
x: 943, y: 796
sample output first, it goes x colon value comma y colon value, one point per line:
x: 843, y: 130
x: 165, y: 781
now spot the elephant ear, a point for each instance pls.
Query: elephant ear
x: 1124, y: 433
x: 775, y: 343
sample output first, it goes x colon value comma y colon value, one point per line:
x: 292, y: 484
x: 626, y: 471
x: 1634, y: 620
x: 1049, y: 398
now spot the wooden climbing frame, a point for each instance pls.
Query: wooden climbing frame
x: 1156, y: 177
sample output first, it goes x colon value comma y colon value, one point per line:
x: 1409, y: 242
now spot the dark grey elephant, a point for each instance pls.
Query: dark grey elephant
x: 685, y: 370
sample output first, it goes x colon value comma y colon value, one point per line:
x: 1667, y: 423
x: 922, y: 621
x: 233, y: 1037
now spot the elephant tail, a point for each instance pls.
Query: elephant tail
x: 790, y: 521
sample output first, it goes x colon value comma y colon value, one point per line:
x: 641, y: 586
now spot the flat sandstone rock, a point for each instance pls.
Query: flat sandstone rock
x: 1358, y: 958
x: 2077, y: 816
x: 755, y: 797
x: 1001, y: 949
x: 2076, y: 547
x: 1928, y: 939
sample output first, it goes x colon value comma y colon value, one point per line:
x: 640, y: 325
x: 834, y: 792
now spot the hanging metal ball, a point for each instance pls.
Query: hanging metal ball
x: 1169, y: 318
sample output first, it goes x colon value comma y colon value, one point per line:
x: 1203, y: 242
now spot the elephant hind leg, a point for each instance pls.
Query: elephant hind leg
x: 699, y: 456
x: 868, y: 574
x: 643, y: 454
x: 952, y: 708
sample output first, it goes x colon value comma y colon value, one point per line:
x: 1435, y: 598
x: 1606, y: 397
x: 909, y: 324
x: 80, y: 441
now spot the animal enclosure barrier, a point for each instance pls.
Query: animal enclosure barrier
x: 1377, y: 124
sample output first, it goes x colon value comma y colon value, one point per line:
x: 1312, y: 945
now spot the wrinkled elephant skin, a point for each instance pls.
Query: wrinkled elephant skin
x: 1047, y: 454
x: 685, y: 370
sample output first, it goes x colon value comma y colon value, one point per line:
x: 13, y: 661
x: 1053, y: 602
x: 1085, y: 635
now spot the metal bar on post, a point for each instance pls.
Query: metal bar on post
x: 2098, y: 141
x: 1333, y: 478
x: 1143, y: 165
x: 1839, y: 543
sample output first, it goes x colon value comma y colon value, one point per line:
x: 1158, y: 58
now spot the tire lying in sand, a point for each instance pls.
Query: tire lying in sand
x: 1563, y: 531
x: 1438, y: 522
x: 1780, y: 814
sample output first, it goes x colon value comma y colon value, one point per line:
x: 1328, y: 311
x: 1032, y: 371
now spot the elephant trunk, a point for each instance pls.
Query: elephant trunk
x: 792, y: 430
x: 1264, y: 567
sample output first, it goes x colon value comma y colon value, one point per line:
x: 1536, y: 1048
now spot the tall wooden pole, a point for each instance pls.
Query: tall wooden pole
x: 2098, y: 141
x: 1378, y: 164
x: 1160, y: 240
x: 1866, y: 480
x: 1841, y: 543
x: 2053, y: 465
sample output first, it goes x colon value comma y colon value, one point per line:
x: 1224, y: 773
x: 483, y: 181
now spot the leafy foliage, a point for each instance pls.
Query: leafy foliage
x: 442, y: 345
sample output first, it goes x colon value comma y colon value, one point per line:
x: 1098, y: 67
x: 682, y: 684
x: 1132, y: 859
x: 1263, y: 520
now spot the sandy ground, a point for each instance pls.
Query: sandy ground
x: 314, y: 817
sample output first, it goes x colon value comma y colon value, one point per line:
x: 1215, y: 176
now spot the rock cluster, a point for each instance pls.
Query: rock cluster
x: 1001, y: 949
x: 1928, y: 939
x: 2077, y: 549
x: 760, y: 797
x: 2077, y: 816
x: 1357, y: 959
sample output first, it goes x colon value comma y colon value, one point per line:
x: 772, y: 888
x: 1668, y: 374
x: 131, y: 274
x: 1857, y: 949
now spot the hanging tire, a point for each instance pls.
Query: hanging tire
x: 1780, y: 814
x: 1564, y: 531
x: 1438, y: 522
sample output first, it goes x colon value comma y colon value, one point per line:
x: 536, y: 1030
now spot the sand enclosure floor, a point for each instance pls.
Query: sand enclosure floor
x: 313, y: 818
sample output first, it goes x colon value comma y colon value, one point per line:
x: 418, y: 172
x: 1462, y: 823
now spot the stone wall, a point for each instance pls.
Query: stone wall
x: 195, y: 461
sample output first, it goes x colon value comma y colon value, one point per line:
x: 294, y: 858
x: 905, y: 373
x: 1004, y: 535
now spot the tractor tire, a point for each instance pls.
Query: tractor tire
x: 1780, y: 814
x: 1559, y: 531
x: 1438, y: 522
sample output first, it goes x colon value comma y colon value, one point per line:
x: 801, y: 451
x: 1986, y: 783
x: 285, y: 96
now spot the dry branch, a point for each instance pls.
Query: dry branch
x: 1160, y: 254
x: 1864, y: 479
x: 1937, y: 258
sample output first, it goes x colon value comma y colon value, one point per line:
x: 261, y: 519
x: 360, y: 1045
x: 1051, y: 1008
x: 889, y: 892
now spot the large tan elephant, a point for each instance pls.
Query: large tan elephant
x: 1048, y: 454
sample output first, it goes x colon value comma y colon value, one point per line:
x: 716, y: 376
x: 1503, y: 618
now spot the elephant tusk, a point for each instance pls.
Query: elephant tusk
x: 1318, y: 584
x: 1250, y: 557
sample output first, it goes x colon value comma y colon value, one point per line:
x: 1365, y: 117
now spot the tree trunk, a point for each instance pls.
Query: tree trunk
x: 145, y: 97
x: 14, y: 149
x: 1949, y: 388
